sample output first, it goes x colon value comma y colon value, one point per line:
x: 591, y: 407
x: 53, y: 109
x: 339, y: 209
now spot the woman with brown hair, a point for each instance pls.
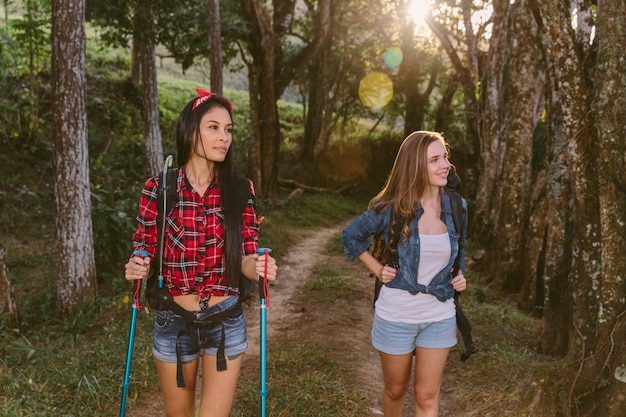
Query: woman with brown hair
x: 415, y: 314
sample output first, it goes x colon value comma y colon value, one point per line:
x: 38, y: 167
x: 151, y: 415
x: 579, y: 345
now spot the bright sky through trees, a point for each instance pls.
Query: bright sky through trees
x: 418, y: 10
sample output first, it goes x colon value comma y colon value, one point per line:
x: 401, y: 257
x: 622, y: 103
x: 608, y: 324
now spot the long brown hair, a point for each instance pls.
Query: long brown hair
x: 408, y: 178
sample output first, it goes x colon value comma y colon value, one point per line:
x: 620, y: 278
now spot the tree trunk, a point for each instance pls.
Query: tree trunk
x: 411, y: 76
x: 468, y: 77
x: 270, y: 76
x: 315, y: 117
x: 215, y: 46
x: 7, y: 296
x: 318, y: 118
x: 604, y: 355
x: 583, y: 310
x: 149, y: 89
x: 511, y: 118
x: 135, y: 63
x: 264, y: 46
x: 76, y: 267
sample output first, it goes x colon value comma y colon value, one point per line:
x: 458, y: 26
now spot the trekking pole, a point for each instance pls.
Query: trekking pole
x: 263, y: 294
x: 131, y: 337
x: 166, y: 165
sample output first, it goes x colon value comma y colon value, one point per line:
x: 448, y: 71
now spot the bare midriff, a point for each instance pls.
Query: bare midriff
x: 191, y: 302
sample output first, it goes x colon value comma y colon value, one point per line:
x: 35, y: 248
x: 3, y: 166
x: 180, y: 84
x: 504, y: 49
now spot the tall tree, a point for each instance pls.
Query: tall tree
x: 606, y: 319
x: 76, y: 267
x: 417, y: 75
x: 270, y: 70
x: 318, y: 118
x: 149, y: 91
x: 463, y: 51
x: 215, y: 46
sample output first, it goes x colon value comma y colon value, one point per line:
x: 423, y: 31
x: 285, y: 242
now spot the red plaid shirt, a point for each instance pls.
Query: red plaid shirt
x: 193, y: 261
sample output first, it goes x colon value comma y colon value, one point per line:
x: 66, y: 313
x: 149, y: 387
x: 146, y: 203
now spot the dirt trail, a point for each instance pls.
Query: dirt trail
x: 294, y: 270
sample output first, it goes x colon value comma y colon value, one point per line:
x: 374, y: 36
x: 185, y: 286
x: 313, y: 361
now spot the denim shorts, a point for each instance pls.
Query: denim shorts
x: 397, y: 338
x: 204, y: 339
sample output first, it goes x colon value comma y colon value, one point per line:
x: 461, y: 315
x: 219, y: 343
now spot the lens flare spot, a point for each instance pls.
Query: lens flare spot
x: 393, y: 57
x: 375, y: 90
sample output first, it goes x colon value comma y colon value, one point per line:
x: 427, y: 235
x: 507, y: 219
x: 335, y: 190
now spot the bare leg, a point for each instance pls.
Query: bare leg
x: 218, y: 388
x: 396, y: 377
x: 179, y: 402
x: 429, y: 366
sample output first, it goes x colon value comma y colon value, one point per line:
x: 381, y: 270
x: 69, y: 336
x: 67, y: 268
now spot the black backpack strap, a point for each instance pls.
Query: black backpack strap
x: 456, y: 203
x: 387, y: 252
x: 171, y: 193
x: 462, y: 322
x: 244, y: 194
x: 379, y: 251
x: 155, y: 298
x: 214, y: 320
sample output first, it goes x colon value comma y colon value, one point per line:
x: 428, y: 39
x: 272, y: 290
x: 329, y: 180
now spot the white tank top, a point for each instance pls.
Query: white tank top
x: 394, y: 304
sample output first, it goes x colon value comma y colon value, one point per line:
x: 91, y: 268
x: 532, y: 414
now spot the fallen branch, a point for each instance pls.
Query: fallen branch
x: 294, y: 184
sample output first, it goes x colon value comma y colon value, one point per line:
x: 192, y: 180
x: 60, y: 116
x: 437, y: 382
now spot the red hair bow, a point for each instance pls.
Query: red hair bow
x: 203, y: 96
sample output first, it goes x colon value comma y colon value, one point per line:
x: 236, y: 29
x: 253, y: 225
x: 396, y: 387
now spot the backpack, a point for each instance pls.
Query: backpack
x: 159, y: 298
x: 388, y: 255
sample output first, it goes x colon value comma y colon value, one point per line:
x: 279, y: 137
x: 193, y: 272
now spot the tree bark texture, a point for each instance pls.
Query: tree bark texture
x: 512, y: 109
x: 317, y: 121
x: 76, y: 268
x: 608, y: 312
x: 559, y: 217
x: 215, y: 46
x: 264, y: 47
x: 149, y: 89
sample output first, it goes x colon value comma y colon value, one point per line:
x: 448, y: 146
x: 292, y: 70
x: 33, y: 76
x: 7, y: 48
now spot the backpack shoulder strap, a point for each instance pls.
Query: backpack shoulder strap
x: 243, y: 191
x: 171, y: 195
x: 386, y: 254
x: 171, y: 192
x: 456, y: 203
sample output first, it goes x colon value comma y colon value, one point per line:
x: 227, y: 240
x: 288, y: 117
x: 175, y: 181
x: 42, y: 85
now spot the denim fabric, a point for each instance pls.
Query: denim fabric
x: 168, y: 324
x: 356, y: 241
x: 397, y: 338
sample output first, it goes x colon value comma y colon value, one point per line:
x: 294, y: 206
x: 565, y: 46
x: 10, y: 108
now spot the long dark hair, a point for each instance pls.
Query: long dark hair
x: 187, y: 137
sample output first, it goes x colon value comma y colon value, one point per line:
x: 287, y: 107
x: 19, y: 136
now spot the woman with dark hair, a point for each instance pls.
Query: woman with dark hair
x: 211, y: 237
x: 415, y: 311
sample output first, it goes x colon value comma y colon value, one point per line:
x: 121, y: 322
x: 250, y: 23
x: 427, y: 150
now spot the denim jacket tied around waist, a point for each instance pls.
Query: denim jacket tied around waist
x: 356, y: 241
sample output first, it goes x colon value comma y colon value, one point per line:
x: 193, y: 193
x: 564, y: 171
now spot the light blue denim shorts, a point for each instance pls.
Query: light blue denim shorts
x: 167, y: 324
x: 397, y: 338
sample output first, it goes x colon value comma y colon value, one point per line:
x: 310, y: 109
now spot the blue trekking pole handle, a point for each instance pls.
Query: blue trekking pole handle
x: 166, y: 165
x: 131, y: 337
x: 263, y: 332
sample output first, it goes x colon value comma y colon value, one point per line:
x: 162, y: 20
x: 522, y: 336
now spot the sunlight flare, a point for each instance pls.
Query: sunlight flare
x: 418, y: 10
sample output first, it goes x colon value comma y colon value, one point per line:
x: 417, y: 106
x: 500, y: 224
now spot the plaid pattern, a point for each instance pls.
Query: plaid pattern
x: 194, y: 243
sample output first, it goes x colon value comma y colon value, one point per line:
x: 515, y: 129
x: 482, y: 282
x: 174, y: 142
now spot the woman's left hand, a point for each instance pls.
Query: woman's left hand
x: 459, y: 283
x: 272, y: 268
